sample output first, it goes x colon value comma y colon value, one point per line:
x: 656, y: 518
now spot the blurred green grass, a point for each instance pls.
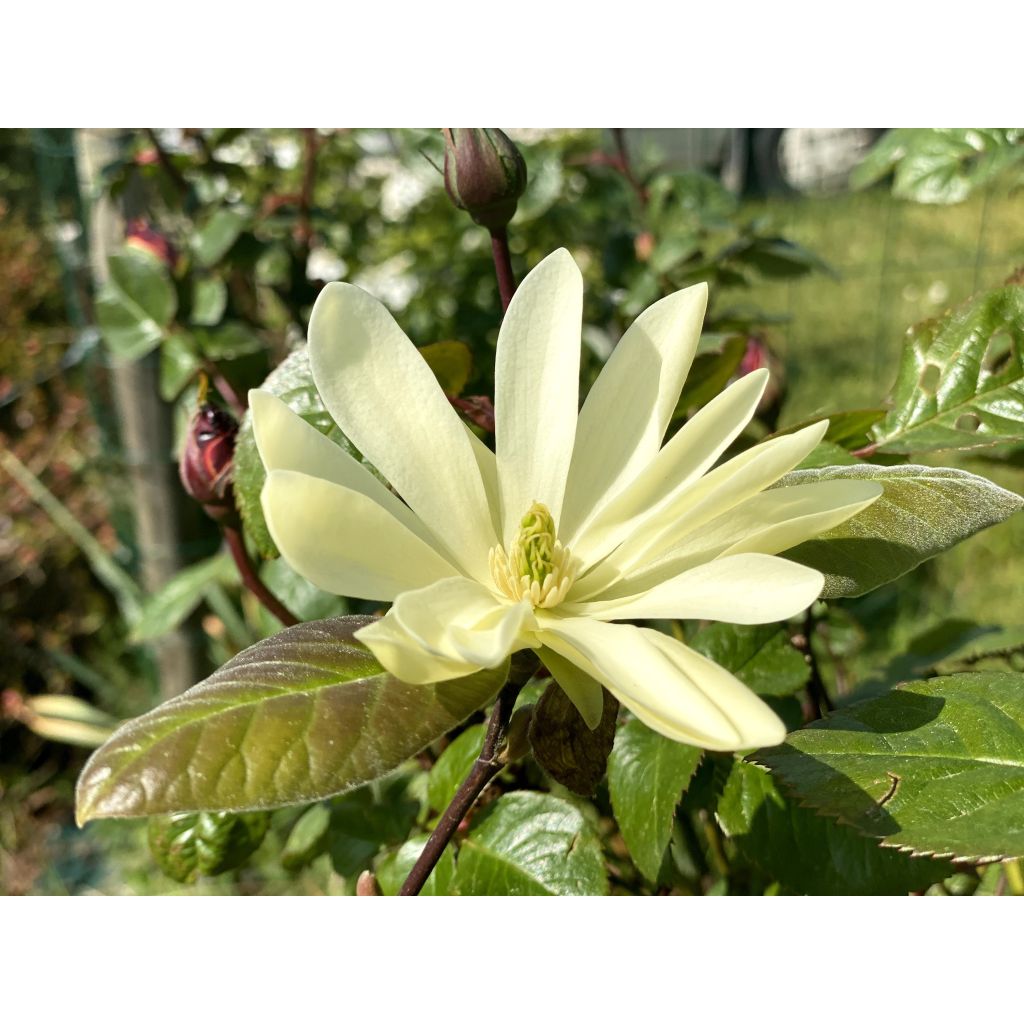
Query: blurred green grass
x: 898, y: 263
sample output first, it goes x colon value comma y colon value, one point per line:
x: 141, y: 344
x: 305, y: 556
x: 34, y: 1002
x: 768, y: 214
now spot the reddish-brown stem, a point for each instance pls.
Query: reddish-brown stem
x: 503, y: 266
x: 626, y: 165
x: 166, y: 163
x: 304, y: 228
x: 225, y: 389
x: 486, y: 766
x: 866, y: 452
x: 236, y: 545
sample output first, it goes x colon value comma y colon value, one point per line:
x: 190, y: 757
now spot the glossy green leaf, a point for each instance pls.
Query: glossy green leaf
x: 177, y: 599
x: 827, y: 454
x: 367, y: 820
x: 298, y: 717
x: 209, y: 300
x: 189, y: 845
x: 136, y: 303
x: 709, y: 374
x: 394, y: 869
x: 220, y: 232
x: 228, y: 341
x: 810, y: 854
x: 961, y: 379
x: 308, y: 838
x: 452, y: 767
x: 848, y: 429
x: 531, y: 844
x: 570, y: 752
x: 647, y: 776
x: 940, y: 165
x: 292, y: 382
x: 451, y: 362
x: 760, y: 656
x: 936, y: 767
x: 179, y: 363
x: 921, y: 512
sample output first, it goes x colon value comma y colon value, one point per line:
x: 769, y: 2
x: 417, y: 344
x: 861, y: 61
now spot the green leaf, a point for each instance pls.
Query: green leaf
x: 936, y: 767
x: 940, y: 165
x: 298, y: 717
x: 368, y: 819
x: 565, y: 747
x: 302, y: 598
x: 760, y: 656
x: 961, y: 379
x: 178, y: 364
x: 177, y: 599
x: 709, y: 374
x: 136, y: 303
x: 849, y: 429
x: 825, y: 453
x: 219, y: 233
x: 189, y: 845
x: 394, y: 869
x: 292, y: 382
x: 810, y: 854
x: 921, y: 512
x: 531, y: 844
x: 451, y: 362
x: 228, y: 341
x: 452, y: 767
x: 209, y: 299
x: 647, y: 776
x: 307, y: 839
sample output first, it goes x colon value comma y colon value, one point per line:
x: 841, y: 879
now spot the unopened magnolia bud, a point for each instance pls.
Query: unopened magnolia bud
x: 139, y: 234
x: 208, y: 459
x: 484, y: 174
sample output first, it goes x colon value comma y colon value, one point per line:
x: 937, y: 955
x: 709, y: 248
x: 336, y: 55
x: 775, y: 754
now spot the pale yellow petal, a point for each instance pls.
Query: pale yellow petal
x: 536, y: 383
x: 387, y: 401
x: 770, y: 522
x: 584, y: 691
x: 624, y: 419
x: 286, y: 441
x: 343, y: 541
x: 450, y: 629
x: 676, y: 468
x: 670, y: 688
x: 743, y: 588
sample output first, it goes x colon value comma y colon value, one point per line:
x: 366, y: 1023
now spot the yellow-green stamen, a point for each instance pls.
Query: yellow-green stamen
x: 537, y: 568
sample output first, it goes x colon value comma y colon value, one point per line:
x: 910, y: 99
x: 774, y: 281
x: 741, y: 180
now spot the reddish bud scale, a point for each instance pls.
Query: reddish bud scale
x: 208, y: 458
x: 141, y: 235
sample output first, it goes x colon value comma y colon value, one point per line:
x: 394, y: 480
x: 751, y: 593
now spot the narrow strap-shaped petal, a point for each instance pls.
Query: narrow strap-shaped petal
x: 770, y: 522
x: 450, y: 629
x: 536, y: 384
x: 624, y: 419
x: 385, y: 398
x: 673, y: 517
x: 689, y: 454
x: 744, y: 588
x: 344, y: 542
x: 670, y: 688
x: 584, y: 691
x: 286, y: 441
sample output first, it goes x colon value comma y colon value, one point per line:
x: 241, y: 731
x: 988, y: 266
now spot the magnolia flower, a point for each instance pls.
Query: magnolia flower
x: 577, y: 519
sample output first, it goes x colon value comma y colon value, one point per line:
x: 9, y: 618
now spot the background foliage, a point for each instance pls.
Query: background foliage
x: 235, y: 233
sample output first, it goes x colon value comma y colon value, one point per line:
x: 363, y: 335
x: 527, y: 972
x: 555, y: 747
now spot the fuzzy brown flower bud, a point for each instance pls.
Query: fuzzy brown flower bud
x: 484, y: 174
x: 208, y: 458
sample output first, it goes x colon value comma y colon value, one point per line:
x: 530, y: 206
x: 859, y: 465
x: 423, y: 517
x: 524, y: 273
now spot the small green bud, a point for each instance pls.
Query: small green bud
x: 484, y: 174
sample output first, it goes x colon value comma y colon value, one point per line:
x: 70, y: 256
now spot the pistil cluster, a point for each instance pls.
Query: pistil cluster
x: 537, y: 567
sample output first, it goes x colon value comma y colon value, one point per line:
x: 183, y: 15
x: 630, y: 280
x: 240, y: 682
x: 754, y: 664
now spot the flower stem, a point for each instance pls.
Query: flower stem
x: 503, y: 266
x: 485, y: 768
x: 236, y: 545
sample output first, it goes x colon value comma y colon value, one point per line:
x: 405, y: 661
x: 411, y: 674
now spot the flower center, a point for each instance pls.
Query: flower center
x: 536, y: 566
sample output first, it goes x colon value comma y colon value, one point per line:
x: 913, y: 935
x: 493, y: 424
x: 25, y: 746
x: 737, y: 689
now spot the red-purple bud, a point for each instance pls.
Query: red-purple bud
x: 484, y: 174
x: 478, y: 409
x: 140, y: 234
x: 208, y: 458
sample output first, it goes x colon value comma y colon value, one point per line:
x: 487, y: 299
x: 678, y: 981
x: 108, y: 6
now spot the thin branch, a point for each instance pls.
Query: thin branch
x: 236, y: 545
x: 167, y: 163
x: 304, y: 228
x: 485, y: 768
x: 626, y: 165
x: 819, y: 702
x: 503, y: 266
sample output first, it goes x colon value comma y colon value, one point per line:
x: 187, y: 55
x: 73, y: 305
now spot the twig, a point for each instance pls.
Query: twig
x: 626, y: 165
x: 304, y: 228
x: 225, y: 389
x: 236, y: 545
x: 167, y: 163
x: 485, y: 768
x: 819, y: 701
x: 503, y: 266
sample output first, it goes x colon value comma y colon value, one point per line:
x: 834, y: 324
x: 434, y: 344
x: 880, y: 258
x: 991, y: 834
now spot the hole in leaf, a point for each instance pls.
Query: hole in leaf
x: 997, y: 350
x: 968, y: 422
x: 930, y: 377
